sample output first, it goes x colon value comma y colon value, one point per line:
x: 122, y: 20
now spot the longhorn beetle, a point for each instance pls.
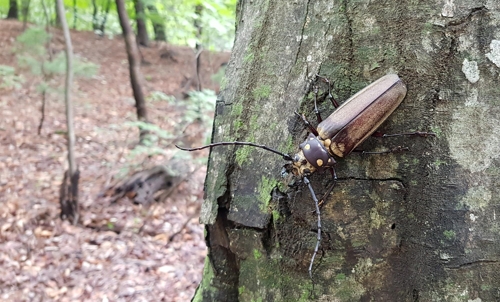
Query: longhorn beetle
x: 339, y: 134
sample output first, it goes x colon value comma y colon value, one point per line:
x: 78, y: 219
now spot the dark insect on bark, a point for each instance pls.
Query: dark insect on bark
x: 339, y: 134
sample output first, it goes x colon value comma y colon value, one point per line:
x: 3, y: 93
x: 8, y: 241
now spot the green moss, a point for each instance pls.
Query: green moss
x: 206, y: 282
x: 241, y: 290
x: 357, y: 243
x: 276, y: 216
x: 249, y: 56
x: 237, y: 125
x: 428, y: 27
x: 257, y: 254
x: 450, y: 235
x: 485, y: 287
x: 306, y: 290
x: 436, y: 131
x: 265, y: 187
x: 254, y: 125
x: 365, y: 53
x: 287, y: 144
x: 261, y: 92
x: 439, y: 162
x: 391, y: 54
x: 349, y: 290
x: 340, y: 277
x: 237, y: 109
x: 375, y: 219
x: 242, y: 154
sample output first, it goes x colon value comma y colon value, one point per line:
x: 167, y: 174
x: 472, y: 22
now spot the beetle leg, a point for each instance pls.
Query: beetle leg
x: 306, y: 122
x: 318, y: 213
x: 316, y: 111
x: 330, y: 189
x: 330, y: 96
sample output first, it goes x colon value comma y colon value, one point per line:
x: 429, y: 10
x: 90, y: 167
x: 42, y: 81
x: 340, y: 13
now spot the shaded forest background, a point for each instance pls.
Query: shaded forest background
x: 120, y: 250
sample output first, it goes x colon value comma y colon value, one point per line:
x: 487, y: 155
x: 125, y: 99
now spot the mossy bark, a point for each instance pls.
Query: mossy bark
x: 418, y: 226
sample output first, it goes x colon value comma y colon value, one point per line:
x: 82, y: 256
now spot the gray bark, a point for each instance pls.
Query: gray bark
x: 69, y: 188
x: 418, y: 226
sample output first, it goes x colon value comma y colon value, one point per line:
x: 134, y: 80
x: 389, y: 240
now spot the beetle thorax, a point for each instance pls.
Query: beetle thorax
x: 312, y: 156
x: 300, y: 166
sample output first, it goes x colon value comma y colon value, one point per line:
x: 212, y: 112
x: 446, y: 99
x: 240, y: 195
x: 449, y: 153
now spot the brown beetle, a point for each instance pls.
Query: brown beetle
x: 348, y: 126
x: 339, y: 134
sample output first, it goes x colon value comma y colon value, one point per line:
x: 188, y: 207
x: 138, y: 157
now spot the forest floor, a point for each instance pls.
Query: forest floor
x: 119, y: 251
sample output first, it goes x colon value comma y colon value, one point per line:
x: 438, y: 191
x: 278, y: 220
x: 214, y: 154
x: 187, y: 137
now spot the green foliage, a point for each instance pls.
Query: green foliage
x: 156, y: 132
x: 33, y: 40
x: 157, y: 140
x: 216, y: 18
x: 195, y: 108
x: 32, y: 53
x: 8, y: 77
x: 198, y: 104
x: 157, y: 96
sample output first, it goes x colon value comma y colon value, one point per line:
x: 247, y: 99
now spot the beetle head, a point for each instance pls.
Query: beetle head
x: 312, y: 156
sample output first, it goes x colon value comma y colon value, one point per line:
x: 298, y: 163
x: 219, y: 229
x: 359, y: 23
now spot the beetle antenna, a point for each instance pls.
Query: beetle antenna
x: 318, y: 213
x: 284, y: 155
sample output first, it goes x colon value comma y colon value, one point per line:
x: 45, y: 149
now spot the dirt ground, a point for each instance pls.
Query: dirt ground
x: 119, y: 251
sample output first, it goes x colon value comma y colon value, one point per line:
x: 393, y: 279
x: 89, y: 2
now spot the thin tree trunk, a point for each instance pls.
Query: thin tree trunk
x: 105, y: 17
x: 418, y: 226
x: 69, y: 187
x: 158, y: 25
x: 199, y: 47
x: 142, y: 31
x: 197, y: 24
x: 95, y: 23
x: 134, y: 63
x: 25, y: 7
x: 12, y: 13
x: 75, y: 14
x: 57, y: 19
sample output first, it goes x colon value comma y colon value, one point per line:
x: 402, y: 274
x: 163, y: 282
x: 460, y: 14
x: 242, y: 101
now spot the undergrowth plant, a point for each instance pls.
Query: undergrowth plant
x: 197, y: 108
x: 9, y: 79
x: 34, y: 56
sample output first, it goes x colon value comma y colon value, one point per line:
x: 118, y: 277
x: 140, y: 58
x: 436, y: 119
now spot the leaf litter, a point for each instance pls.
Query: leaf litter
x: 119, y: 251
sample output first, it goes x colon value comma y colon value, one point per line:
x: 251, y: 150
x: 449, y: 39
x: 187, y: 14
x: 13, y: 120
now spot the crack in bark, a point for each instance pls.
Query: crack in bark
x: 373, y: 179
x: 350, y: 57
x: 475, y: 262
x: 302, y: 33
x: 461, y: 21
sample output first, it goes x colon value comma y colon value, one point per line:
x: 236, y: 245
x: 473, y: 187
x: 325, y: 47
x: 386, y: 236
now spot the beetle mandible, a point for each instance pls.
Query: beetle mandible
x: 339, y: 134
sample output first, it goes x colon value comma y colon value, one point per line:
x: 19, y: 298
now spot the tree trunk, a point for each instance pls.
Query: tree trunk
x: 95, y: 23
x: 417, y: 226
x: 57, y: 19
x: 133, y: 60
x: 69, y: 187
x: 25, y: 9
x: 105, y: 17
x: 158, y: 25
x: 75, y: 14
x: 12, y: 13
x: 142, y: 31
